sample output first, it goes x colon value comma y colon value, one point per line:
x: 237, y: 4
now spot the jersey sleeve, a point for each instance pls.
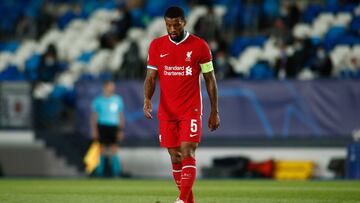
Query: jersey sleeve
x: 152, y: 56
x: 205, y: 61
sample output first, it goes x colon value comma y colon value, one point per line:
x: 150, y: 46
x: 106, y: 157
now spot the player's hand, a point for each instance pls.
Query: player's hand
x: 214, y: 121
x: 147, y: 109
x: 95, y: 135
x: 120, y: 135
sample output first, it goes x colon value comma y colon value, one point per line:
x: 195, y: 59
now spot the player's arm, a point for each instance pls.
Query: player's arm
x: 149, y: 89
x: 211, y: 87
x: 120, y: 134
x: 93, y: 125
x: 122, y: 120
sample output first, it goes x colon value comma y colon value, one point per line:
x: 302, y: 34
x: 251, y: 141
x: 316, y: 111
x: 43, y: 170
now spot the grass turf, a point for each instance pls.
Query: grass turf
x: 164, y: 191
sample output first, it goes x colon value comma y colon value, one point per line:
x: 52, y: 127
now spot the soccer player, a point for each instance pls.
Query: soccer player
x: 178, y: 59
x: 107, y: 123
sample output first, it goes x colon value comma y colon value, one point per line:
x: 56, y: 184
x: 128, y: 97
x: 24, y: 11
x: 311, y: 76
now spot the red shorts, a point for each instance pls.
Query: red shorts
x: 172, y: 133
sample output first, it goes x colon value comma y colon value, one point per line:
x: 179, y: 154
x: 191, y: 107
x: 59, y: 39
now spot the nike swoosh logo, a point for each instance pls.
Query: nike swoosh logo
x: 193, y: 135
x: 163, y: 55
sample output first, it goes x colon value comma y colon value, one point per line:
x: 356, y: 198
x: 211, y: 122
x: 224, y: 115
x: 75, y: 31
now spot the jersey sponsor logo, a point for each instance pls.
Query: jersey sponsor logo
x: 188, y: 71
x: 177, y: 70
x: 163, y: 55
x: 188, y: 56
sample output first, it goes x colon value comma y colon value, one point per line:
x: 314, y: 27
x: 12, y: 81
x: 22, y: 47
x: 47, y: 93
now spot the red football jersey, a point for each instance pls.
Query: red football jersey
x: 178, y: 66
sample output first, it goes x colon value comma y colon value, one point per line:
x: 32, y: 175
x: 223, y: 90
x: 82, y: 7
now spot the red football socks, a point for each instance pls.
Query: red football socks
x: 188, y: 176
x: 177, y: 174
x: 177, y: 168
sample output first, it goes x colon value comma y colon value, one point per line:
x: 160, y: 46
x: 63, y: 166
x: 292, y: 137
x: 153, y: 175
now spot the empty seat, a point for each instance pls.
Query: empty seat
x: 261, y: 71
x: 332, y: 35
x: 311, y: 12
x: 240, y: 43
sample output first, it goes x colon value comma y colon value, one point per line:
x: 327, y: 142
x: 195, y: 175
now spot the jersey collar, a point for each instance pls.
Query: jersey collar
x: 177, y: 43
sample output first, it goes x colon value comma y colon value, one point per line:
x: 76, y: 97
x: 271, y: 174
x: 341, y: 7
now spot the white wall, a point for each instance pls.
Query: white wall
x: 155, y: 162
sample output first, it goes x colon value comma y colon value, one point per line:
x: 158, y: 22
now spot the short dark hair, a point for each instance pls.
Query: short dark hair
x: 107, y: 81
x: 174, y: 12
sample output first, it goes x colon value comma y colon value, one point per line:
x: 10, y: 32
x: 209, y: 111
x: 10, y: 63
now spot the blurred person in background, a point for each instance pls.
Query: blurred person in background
x: 107, y: 124
x: 25, y: 28
x: 322, y: 64
x: 118, y: 28
x: 178, y: 59
x: 208, y: 27
x: 49, y: 64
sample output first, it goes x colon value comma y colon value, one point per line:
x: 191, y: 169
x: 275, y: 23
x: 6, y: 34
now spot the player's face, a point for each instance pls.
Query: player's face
x: 175, y: 27
x: 109, y: 88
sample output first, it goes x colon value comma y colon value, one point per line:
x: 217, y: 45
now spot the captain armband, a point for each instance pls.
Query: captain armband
x: 207, y: 67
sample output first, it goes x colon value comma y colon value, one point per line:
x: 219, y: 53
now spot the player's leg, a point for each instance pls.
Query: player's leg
x: 169, y: 138
x: 190, y: 138
x: 188, y: 174
x: 115, y: 163
x: 175, y: 156
x: 99, y: 171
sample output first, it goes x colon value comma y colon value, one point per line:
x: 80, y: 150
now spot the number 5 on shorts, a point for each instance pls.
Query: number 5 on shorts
x: 193, y: 125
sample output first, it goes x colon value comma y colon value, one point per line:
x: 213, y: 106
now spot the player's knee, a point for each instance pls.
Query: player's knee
x: 187, y: 152
x: 175, y: 155
x: 188, y: 149
x: 176, y: 158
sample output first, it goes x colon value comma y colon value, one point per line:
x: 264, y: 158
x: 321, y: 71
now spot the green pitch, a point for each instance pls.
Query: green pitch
x: 163, y: 191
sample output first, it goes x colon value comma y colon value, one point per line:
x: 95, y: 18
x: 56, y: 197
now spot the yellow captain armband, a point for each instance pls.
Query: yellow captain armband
x: 207, y: 67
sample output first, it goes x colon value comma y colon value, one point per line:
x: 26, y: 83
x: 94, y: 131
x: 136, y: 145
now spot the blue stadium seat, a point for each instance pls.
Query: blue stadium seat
x: 240, y: 44
x: 12, y: 73
x: 271, y: 8
x: 346, y: 74
x: 331, y: 8
x: 348, y: 8
x: 311, y: 12
x: 31, y: 67
x: 232, y: 17
x: 137, y: 16
x: 332, y: 36
x: 221, y: 2
x: 85, y: 57
x: 355, y: 24
x: 357, y: 74
x: 110, y: 5
x: 9, y: 46
x: 157, y: 8
x: 348, y: 39
x: 261, y: 71
x: 316, y: 41
x: 66, y: 18
x: 63, y: 66
x: 58, y: 92
x: 89, y: 7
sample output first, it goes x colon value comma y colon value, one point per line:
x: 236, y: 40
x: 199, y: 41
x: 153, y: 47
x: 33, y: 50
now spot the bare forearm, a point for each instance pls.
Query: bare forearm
x: 122, y: 121
x: 149, y: 88
x: 93, y: 122
x: 212, y: 91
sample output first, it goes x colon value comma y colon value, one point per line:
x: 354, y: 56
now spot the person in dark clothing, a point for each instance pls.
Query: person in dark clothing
x: 49, y: 64
x: 322, y: 64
